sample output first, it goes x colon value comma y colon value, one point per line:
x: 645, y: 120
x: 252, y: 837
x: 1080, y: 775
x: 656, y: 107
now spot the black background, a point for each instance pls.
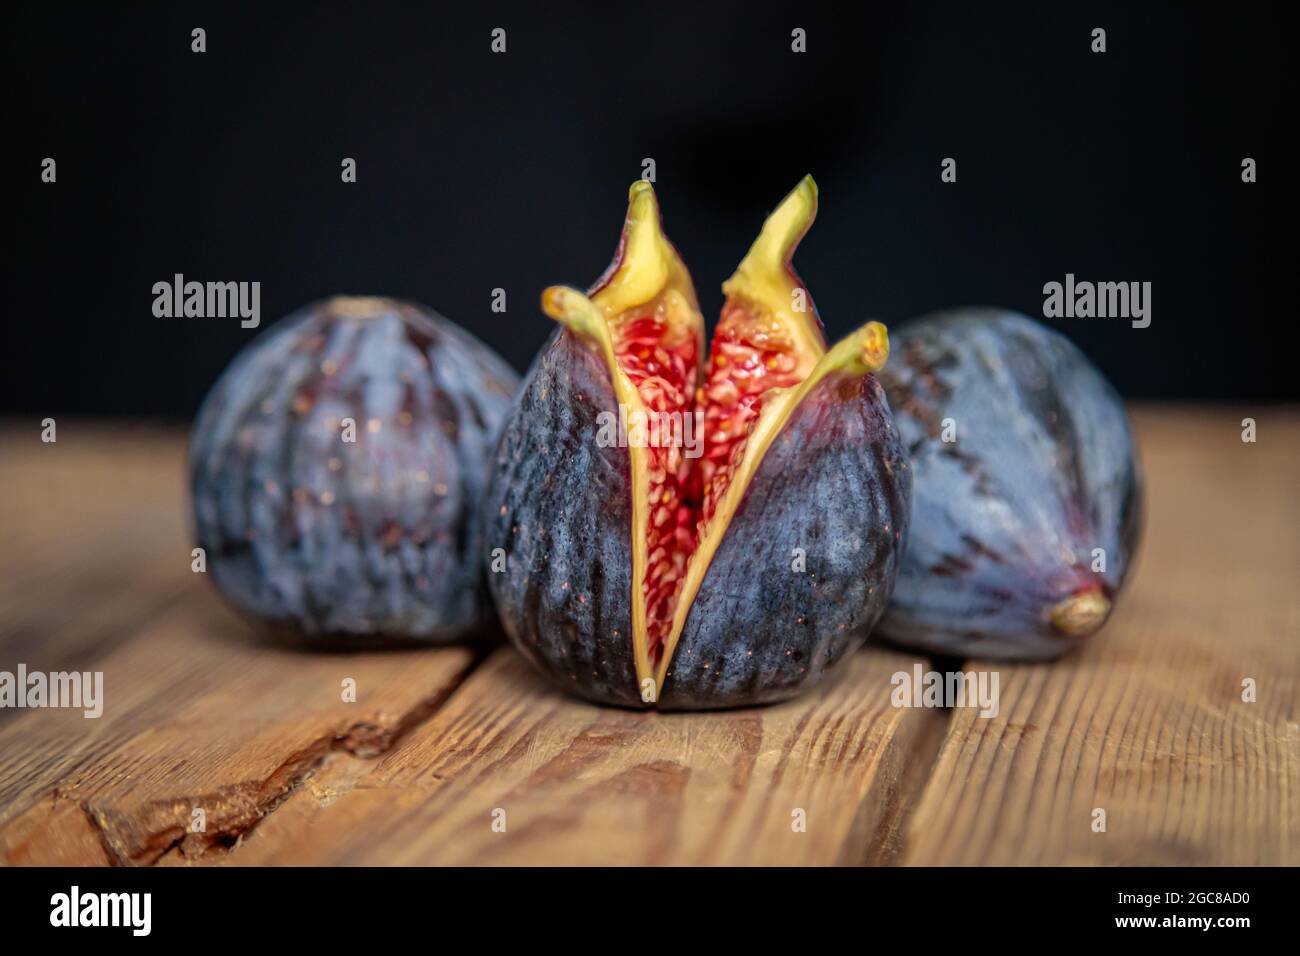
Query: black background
x: 479, y: 170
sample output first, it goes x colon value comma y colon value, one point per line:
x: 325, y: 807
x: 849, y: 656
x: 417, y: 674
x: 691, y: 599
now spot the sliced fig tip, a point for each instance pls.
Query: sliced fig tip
x: 863, y: 351
x: 765, y: 285
x: 875, y: 346
x: 574, y: 311
x: 1081, y: 614
x: 769, y: 257
x: 641, y: 189
x: 553, y: 301
x: 561, y: 302
x: 645, y: 263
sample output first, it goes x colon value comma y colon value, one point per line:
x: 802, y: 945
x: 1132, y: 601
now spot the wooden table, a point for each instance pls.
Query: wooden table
x: 1147, y: 722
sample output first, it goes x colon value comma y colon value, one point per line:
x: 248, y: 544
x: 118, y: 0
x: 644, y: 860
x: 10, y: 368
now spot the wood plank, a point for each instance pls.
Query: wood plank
x: 94, y: 538
x: 200, y: 713
x: 582, y: 784
x: 1147, y: 722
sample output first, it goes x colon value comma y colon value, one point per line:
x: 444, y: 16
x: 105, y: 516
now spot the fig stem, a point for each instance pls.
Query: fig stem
x: 1081, y: 614
x: 359, y: 306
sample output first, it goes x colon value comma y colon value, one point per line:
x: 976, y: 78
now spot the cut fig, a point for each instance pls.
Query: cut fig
x: 732, y: 569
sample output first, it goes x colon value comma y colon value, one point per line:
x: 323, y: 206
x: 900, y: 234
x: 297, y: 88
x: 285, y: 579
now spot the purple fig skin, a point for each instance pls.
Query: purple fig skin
x: 834, y: 482
x: 560, y: 507
x: 1005, y: 520
x: 373, y: 540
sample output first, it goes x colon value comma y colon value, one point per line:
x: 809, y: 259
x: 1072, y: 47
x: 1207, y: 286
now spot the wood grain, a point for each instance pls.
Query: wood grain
x: 93, y: 538
x: 581, y: 784
x: 202, y: 714
x: 199, y: 717
x: 200, y: 711
x: 1147, y: 722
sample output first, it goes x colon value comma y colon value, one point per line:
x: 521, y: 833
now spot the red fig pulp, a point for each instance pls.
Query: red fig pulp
x: 636, y: 342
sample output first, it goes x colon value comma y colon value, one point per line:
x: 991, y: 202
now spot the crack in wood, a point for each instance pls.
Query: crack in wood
x: 143, y: 836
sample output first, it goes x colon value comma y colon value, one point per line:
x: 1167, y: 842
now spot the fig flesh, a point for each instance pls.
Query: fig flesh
x: 1027, y: 489
x: 732, y: 572
x: 338, y: 468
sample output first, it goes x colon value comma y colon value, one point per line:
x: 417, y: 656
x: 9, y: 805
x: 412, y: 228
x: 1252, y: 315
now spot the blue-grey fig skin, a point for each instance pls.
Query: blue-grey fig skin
x: 558, y: 515
x: 1001, y: 560
x: 835, y: 485
x: 338, y: 469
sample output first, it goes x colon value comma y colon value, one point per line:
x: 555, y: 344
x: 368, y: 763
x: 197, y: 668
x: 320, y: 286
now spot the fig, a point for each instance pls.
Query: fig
x: 737, y: 570
x: 1028, y: 492
x: 338, y: 468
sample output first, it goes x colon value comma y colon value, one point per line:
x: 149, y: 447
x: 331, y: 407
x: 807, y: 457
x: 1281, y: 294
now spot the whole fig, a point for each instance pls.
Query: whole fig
x: 338, y: 467
x: 644, y: 568
x: 1028, y: 494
